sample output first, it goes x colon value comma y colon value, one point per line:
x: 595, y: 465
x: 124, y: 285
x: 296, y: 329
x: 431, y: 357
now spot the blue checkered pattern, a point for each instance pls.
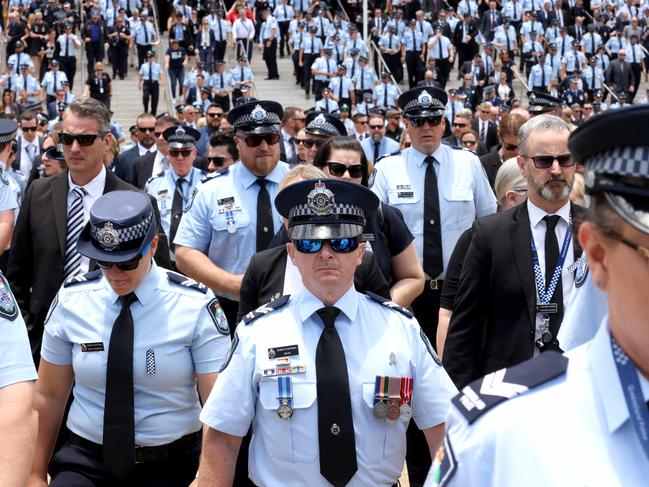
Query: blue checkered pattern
x: 622, y: 161
x: 126, y: 234
x: 150, y: 361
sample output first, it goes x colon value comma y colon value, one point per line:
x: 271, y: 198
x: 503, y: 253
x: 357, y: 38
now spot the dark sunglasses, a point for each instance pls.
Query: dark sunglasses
x: 338, y: 169
x: 338, y: 245
x: 376, y: 127
x: 28, y: 129
x: 128, y: 265
x: 84, y: 140
x: 146, y: 129
x: 255, y: 140
x: 419, y: 121
x: 461, y: 125
x: 217, y: 161
x: 215, y: 115
x: 179, y: 152
x: 468, y: 142
x: 544, y: 162
x: 299, y: 141
x: 308, y: 143
x: 511, y: 146
x: 157, y: 134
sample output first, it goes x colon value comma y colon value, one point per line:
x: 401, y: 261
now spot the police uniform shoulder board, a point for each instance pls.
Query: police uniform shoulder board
x: 395, y: 153
x: 213, y: 175
x: 8, y: 306
x: 483, y: 394
x: 218, y: 316
x: 266, y: 308
x: 79, y: 278
x: 185, y: 281
x: 153, y: 178
x: 389, y: 304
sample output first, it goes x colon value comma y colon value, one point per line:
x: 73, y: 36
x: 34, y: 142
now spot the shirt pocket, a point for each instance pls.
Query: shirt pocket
x: 293, y: 439
x: 383, y: 438
x: 462, y: 214
x: 219, y: 220
x: 403, y: 195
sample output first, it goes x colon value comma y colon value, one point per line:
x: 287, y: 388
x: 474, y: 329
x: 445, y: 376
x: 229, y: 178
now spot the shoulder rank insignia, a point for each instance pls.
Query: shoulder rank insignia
x: 8, y: 306
x: 429, y: 347
x: 389, y: 304
x: 53, y: 305
x: 444, y: 464
x: 218, y: 316
x: 395, y: 153
x: 214, y: 175
x: 266, y: 308
x: 186, y: 281
x: 79, y: 278
x: 483, y: 394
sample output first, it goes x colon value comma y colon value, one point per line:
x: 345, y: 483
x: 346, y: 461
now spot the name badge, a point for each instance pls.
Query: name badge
x: 92, y: 347
x: 405, y: 194
x: 286, y: 351
x: 225, y: 201
x: 548, y: 308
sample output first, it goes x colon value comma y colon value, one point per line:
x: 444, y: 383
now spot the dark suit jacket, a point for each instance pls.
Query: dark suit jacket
x: 52, y: 111
x: 264, y: 279
x: 467, y: 68
x: 459, y: 32
x: 35, y: 269
x: 485, y: 24
x: 491, y: 162
x: 143, y: 168
x: 123, y: 165
x: 492, y: 133
x: 620, y: 79
x: 494, y: 316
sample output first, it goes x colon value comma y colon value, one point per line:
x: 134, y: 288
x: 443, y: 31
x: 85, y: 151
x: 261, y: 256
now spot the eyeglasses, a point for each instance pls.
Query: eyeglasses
x: 128, y: 265
x: 146, y: 129
x: 308, y: 143
x: 157, y: 134
x: 299, y: 141
x: 255, y: 140
x: 510, y: 146
x: 544, y: 162
x: 217, y: 161
x: 338, y: 245
x: 420, y: 121
x: 376, y: 127
x: 215, y: 115
x: 179, y: 152
x: 643, y: 251
x: 84, y: 140
x: 303, y: 119
x: 468, y: 142
x: 460, y: 125
x: 338, y: 169
x: 28, y: 129
x: 520, y: 190
x: 361, y: 122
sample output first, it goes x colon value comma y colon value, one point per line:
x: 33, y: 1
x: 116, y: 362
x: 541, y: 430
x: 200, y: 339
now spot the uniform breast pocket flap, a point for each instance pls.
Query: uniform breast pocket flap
x: 229, y: 220
x: 381, y: 441
x: 459, y: 195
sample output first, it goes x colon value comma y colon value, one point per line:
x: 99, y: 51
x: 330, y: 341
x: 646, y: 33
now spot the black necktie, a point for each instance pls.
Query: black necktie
x: 433, y: 263
x: 385, y: 96
x: 340, y: 89
x: 335, y: 423
x: 265, y: 229
x: 176, y: 209
x: 376, y: 151
x: 119, y: 422
x: 551, y: 259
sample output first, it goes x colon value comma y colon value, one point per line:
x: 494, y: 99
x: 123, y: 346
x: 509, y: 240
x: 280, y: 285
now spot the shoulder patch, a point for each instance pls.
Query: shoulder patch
x: 266, y: 308
x: 483, y: 394
x: 233, y: 348
x: 190, y: 202
x: 218, y: 316
x: 185, y: 281
x: 582, y: 271
x: 8, y: 306
x: 429, y: 347
x: 55, y: 301
x: 79, y: 278
x: 444, y: 465
x: 389, y: 304
x: 372, y: 177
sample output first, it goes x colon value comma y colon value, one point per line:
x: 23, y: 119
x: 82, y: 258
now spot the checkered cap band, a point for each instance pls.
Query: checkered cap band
x: 338, y: 209
x: 247, y: 119
x: 435, y: 104
x: 7, y: 137
x: 321, y: 123
x: 125, y: 234
x: 621, y: 161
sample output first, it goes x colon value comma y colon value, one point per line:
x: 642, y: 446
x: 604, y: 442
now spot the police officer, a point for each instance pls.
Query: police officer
x: 174, y: 187
x: 119, y: 36
x: 149, y: 82
x: 231, y: 216
x: 240, y: 75
x: 299, y: 368
x: 52, y: 82
x: 440, y: 191
x: 136, y: 341
x: 268, y: 36
x: 144, y: 37
x: 323, y: 69
x: 598, y: 391
x: 308, y: 53
x: 12, y: 183
x: 221, y: 85
x: 342, y: 88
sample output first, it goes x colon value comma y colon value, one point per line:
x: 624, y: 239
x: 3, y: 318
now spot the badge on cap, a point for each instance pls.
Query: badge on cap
x: 108, y: 237
x: 180, y: 132
x: 258, y: 114
x: 320, y: 200
x: 425, y: 99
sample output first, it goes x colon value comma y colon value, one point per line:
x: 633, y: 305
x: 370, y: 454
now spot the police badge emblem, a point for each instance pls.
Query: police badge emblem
x: 582, y: 271
x: 8, y: 306
x: 258, y: 114
x: 424, y: 99
x: 321, y: 200
x: 108, y: 237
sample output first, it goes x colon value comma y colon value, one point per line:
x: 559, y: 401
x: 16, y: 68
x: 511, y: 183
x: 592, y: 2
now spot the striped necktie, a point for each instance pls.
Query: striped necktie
x: 74, y: 227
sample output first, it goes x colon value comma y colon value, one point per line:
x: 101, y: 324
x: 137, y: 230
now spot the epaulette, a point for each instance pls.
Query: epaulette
x: 79, y: 278
x: 389, y: 304
x: 266, y: 308
x: 396, y: 153
x: 483, y: 394
x: 160, y: 174
x: 185, y: 281
x: 214, y: 175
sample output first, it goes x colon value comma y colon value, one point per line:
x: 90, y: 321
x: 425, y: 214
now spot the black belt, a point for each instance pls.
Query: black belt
x: 149, y: 81
x: 145, y: 454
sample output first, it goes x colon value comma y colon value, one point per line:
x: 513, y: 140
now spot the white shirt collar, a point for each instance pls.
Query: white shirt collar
x: 309, y: 304
x: 95, y: 188
x: 143, y: 150
x: 536, y: 214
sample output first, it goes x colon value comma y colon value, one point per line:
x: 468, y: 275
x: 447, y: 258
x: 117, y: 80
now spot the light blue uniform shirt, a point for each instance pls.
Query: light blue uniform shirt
x: 613, y: 45
x: 216, y: 82
x: 67, y: 46
x: 347, y: 86
x: 324, y: 64
x: 502, y: 36
x: 352, y: 68
x: 15, y: 60
x: 283, y: 13
x: 574, y: 60
x: 266, y: 31
x: 225, y: 29
x: 15, y: 180
x: 469, y: 6
x: 48, y: 82
x: 365, y: 78
x: 16, y: 363
x: 555, y: 62
x: 590, y: 39
x: 30, y: 85
x: 380, y: 96
x: 464, y: 192
x: 540, y: 76
x: 413, y: 40
x: 581, y: 417
x: 386, y: 146
x: 154, y: 70
x: 174, y: 332
x: 390, y: 41
x: 285, y: 452
x: 564, y: 44
x: 356, y: 44
x: 298, y: 40
x: 145, y: 34
x: 322, y: 24
x: 204, y: 226
x: 594, y: 77
x: 327, y: 105
x: 239, y: 74
x: 445, y: 44
x: 163, y: 188
x: 190, y: 78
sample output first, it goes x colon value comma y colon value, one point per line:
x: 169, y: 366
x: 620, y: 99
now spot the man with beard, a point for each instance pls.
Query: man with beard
x: 518, y: 272
x: 213, y: 116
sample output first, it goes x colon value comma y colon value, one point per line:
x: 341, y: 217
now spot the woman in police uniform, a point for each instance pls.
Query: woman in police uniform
x: 135, y: 341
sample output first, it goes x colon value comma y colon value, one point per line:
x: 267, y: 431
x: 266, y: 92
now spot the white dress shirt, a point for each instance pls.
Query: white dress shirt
x: 26, y: 162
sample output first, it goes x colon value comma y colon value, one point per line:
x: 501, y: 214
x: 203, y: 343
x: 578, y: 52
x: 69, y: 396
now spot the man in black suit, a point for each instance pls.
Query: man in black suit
x: 194, y: 93
x: 464, y: 39
x: 146, y: 127
x: 43, y: 250
x: 485, y: 127
x: 619, y: 75
x: 507, y: 147
x: 499, y: 319
x: 29, y: 145
x: 490, y: 20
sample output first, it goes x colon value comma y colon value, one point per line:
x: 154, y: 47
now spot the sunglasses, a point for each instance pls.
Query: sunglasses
x: 255, y: 140
x: 179, y: 152
x: 338, y: 169
x: 360, y: 123
x: 420, y: 121
x: 460, y: 125
x: 544, y: 162
x: 299, y: 141
x: 84, y: 140
x: 28, y: 129
x: 376, y: 127
x: 468, y: 142
x: 217, y: 161
x: 511, y: 146
x: 308, y: 143
x: 146, y: 129
x: 215, y: 115
x: 338, y: 245
x: 128, y: 265
x: 157, y: 134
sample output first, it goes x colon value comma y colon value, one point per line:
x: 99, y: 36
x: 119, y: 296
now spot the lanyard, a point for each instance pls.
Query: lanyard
x: 546, y: 290
x: 638, y: 413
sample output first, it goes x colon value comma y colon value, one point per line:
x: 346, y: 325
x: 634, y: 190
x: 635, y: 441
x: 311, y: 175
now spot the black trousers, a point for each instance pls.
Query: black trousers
x: 444, y: 66
x: 393, y: 62
x: 219, y: 51
x: 297, y: 69
x: 119, y: 58
x: 223, y: 101
x: 413, y: 63
x: 636, y: 69
x: 283, y: 43
x: 78, y: 466
x: 318, y: 86
x: 244, y: 48
x: 94, y: 53
x: 141, y: 53
x: 270, y: 58
x: 151, y: 91
x: 69, y: 67
x: 307, y: 60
